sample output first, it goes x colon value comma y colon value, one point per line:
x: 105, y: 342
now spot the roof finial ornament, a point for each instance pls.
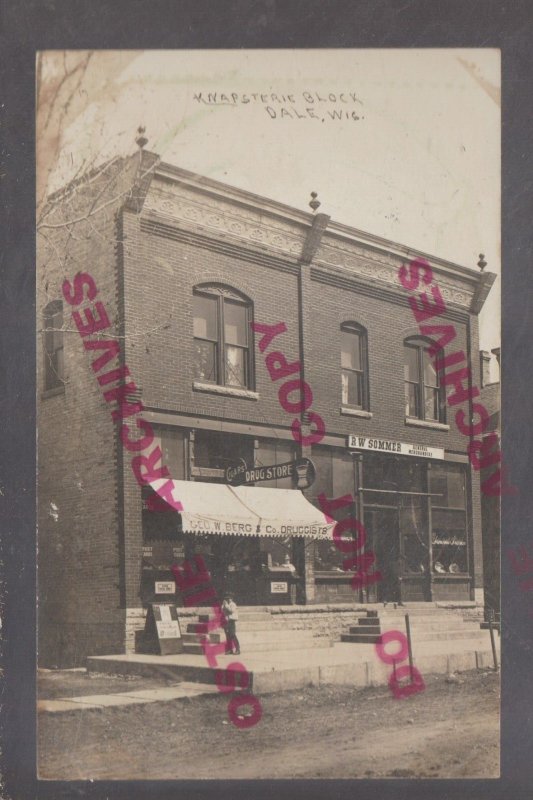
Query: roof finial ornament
x: 481, y: 263
x: 314, y: 203
x: 141, y: 139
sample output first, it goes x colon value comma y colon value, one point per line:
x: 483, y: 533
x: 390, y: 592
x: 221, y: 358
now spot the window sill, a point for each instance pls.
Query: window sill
x: 356, y: 412
x: 228, y: 391
x: 53, y: 392
x: 425, y: 423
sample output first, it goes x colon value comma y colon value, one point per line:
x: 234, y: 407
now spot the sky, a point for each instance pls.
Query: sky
x: 404, y: 144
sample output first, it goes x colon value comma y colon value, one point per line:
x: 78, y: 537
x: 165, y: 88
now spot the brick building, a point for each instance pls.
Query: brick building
x: 185, y: 266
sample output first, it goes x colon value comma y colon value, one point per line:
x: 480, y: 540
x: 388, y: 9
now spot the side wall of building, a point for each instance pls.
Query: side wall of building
x: 80, y: 584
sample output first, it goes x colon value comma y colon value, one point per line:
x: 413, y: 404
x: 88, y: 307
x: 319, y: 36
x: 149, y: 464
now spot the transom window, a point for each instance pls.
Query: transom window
x: 53, y: 345
x: 423, y: 393
x: 354, y: 369
x: 222, y: 352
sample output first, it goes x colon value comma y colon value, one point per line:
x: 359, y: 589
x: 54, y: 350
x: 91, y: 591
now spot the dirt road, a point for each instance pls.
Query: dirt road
x: 449, y: 730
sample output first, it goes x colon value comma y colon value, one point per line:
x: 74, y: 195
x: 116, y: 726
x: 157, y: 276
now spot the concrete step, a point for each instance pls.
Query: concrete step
x: 252, y: 631
x: 344, y: 664
x: 249, y: 616
x: 245, y: 625
x: 280, y: 635
x: 451, y: 625
x: 271, y: 647
x: 276, y: 636
x: 361, y: 638
x: 420, y: 619
x: 364, y: 629
x: 154, y: 667
x: 435, y: 636
x: 356, y: 636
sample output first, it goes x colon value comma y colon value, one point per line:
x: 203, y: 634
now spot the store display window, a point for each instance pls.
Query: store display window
x: 449, y: 524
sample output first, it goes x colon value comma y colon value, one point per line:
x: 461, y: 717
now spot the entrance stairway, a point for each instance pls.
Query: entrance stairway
x: 427, y: 625
x: 257, y: 632
x: 278, y: 657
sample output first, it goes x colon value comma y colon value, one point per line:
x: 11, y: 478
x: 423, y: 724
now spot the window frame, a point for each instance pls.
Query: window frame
x: 54, y: 370
x: 461, y: 513
x: 420, y: 345
x: 223, y: 296
x: 362, y: 374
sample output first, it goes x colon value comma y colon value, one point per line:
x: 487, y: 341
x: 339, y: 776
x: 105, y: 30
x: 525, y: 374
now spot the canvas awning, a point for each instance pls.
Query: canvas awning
x: 247, y: 510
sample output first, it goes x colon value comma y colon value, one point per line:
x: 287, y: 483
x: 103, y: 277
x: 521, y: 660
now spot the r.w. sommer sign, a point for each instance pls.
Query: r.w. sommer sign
x: 388, y: 446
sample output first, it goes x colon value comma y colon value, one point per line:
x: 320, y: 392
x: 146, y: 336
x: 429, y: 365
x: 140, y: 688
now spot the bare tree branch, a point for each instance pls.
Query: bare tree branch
x: 96, y: 210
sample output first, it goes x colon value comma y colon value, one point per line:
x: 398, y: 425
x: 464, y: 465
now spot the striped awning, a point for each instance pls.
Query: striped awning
x: 246, y: 510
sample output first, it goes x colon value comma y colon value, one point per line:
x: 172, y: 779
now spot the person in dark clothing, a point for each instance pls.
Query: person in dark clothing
x: 229, y: 608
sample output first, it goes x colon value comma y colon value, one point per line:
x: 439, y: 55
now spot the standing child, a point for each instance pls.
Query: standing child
x: 229, y: 608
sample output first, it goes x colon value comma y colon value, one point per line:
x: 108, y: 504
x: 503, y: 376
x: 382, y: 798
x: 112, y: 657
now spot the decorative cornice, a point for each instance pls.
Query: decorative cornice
x: 231, y: 195
x: 314, y: 237
x: 482, y: 290
x: 225, y: 212
x: 344, y: 233
x: 141, y: 183
x: 383, y: 268
x: 154, y: 225
x: 213, y: 215
x: 356, y: 283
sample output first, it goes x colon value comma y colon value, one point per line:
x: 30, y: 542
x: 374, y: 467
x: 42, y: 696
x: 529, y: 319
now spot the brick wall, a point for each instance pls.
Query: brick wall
x: 79, y: 574
x: 159, y: 276
x: 387, y: 323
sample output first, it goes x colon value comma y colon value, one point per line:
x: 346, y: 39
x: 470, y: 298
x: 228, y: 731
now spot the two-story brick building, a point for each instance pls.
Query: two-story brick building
x: 189, y: 269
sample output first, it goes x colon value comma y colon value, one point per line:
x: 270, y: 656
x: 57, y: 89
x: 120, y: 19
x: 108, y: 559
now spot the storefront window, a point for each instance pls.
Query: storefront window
x: 385, y: 476
x: 274, y: 551
x: 414, y: 530
x: 448, y: 504
x: 271, y: 452
x: 219, y: 450
x: 335, y: 478
x: 161, y: 522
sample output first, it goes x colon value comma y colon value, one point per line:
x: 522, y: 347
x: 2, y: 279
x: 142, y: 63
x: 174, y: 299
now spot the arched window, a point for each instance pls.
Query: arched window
x: 53, y: 345
x: 424, y: 398
x: 222, y: 337
x: 354, y: 366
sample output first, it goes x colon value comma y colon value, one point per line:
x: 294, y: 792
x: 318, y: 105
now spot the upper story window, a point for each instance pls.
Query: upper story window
x: 222, y: 337
x: 354, y: 366
x: 53, y: 345
x: 423, y: 392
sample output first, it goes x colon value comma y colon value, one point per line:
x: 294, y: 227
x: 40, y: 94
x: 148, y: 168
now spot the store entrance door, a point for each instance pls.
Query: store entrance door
x: 384, y: 533
x: 398, y: 537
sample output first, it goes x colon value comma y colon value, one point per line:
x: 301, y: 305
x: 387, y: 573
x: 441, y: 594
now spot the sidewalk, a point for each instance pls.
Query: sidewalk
x: 164, y: 694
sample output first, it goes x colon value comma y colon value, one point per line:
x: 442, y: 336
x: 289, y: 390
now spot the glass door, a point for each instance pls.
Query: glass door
x: 383, y: 539
x: 414, y: 547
